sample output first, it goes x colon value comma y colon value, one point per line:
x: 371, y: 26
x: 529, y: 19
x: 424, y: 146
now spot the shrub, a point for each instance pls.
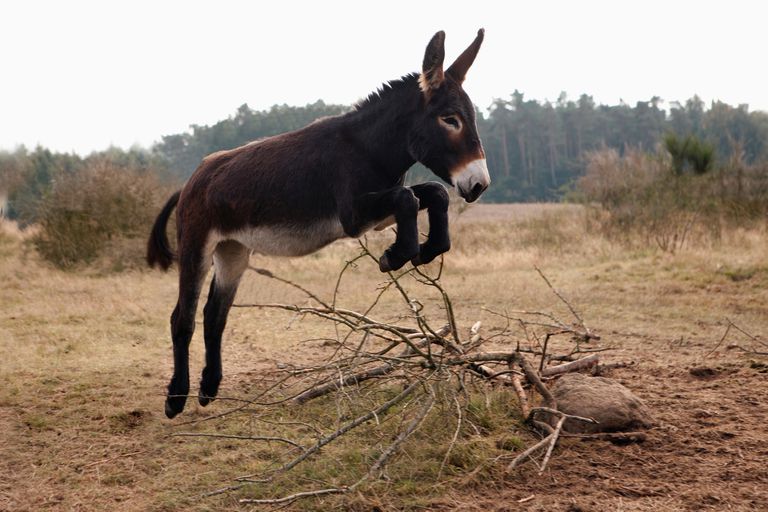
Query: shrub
x: 689, y: 153
x: 96, y: 208
x: 642, y: 195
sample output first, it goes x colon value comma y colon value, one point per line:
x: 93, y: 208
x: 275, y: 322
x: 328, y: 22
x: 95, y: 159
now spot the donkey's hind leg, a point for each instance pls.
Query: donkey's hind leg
x: 193, y: 267
x: 230, y: 261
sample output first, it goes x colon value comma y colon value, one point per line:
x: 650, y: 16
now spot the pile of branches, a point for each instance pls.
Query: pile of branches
x: 416, y: 359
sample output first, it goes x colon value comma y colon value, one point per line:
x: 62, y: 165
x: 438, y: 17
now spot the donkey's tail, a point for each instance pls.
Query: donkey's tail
x: 158, y: 249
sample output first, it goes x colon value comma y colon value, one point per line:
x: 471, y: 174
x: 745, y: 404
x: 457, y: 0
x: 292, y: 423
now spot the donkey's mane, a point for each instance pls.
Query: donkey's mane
x: 387, y: 90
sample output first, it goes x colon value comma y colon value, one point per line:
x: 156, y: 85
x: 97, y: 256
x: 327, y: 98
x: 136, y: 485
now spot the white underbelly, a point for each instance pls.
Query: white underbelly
x: 285, y: 240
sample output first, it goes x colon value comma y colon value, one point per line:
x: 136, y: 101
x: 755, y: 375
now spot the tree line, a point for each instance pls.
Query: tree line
x: 535, y: 149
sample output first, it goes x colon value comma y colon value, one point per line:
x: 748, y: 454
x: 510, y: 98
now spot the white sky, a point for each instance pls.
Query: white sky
x: 79, y: 76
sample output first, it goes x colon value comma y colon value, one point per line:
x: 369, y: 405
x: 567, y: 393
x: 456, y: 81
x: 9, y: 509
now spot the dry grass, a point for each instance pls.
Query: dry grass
x: 86, y: 358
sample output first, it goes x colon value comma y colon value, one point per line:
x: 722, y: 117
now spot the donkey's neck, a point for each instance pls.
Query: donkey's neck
x: 380, y: 125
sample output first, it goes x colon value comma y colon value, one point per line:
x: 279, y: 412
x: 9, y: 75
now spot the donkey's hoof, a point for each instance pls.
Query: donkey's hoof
x: 390, y: 261
x: 207, y: 394
x: 384, y: 264
x: 209, y: 386
x: 428, y: 253
x: 424, y: 258
x: 174, y: 405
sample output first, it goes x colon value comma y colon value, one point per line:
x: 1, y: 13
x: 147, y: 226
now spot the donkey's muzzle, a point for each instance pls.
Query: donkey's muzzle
x: 472, y: 181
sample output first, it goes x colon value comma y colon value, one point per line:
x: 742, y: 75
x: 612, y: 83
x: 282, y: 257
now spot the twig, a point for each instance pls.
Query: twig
x: 446, y: 301
x: 550, y: 440
x: 748, y: 335
x: 722, y: 339
x: 455, y: 437
x: 267, y: 273
x: 392, y: 448
x: 522, y: 398
x: 544, y: 351
x: 527, y: 453
x: 294, y: 497
x: 554, y: 435
x: 346, y: 428
x: 105, y: 461
x: 348, y: 380
x: 563, y: 414
x: 563, y: 299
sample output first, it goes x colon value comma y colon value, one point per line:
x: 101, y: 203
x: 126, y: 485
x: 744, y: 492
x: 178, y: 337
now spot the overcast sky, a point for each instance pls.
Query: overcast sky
x: 79, y: 76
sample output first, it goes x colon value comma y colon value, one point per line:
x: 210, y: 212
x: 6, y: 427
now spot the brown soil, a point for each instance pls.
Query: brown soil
x: 709, y: 452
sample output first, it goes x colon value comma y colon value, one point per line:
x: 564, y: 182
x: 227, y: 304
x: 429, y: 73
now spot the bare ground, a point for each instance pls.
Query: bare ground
x: 86, y: 358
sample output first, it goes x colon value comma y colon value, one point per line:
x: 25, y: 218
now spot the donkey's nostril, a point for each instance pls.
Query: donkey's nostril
x: 475, y: 192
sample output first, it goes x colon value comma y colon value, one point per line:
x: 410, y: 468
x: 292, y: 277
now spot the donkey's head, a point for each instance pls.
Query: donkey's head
x: 444, y: 137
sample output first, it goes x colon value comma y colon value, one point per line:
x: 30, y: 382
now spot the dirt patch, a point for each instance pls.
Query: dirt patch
x: 707, y: 452
x: 126, y: 421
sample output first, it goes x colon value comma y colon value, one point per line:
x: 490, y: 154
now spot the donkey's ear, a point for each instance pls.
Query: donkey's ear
x: 458, y: 69
x: 432, y: 69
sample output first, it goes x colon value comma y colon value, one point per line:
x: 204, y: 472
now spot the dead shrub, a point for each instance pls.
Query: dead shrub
x: 643, y: 200
x: 98, y: 212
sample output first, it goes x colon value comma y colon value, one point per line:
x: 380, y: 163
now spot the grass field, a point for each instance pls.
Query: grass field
x: 86, y: 356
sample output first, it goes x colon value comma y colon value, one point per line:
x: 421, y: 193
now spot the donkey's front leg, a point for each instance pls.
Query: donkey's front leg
x: 434, y: 198
x: 373, y: 207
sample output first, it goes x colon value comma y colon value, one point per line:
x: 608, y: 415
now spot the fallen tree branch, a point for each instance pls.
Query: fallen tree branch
x: 522, y: 398
x: 534, y: 379
x: 549, y: 441
x: 574, y: 366
x: 435, y: 366
x: 554, y: 435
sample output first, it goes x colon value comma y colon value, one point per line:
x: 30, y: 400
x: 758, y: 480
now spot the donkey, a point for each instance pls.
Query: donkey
x: 291, y: 194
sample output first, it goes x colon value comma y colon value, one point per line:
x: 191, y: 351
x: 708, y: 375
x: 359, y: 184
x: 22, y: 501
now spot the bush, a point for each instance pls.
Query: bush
x: 689, y: 153
x: 95, y: 209
x: 642, y: 195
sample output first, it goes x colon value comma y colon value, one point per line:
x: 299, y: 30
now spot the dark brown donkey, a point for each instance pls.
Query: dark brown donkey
x: 292, y: 194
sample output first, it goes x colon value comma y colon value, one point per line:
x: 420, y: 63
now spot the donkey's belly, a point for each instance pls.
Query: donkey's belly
x: 286, y: 240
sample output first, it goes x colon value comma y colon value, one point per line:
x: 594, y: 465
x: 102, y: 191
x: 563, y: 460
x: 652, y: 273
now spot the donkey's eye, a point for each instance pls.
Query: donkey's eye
x: 451, y: 121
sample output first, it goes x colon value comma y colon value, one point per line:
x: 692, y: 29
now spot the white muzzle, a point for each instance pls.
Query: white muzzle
x: 472, y: 181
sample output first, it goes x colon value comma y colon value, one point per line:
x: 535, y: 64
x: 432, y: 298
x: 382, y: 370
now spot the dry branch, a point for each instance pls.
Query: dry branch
x: 751, y: 337
x: 550, y: 441
x: 522, y: 398
x: 435, y: 363
x: 295, y: 496
x: 534, y: 379
x: 554, y: 435
x: 382, y: 409
x: 573, y: 366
